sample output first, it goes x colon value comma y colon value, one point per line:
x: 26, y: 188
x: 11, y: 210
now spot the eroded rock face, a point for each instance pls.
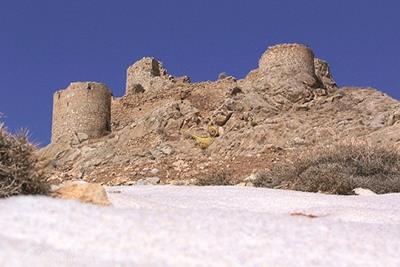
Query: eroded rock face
x: 278, y: 110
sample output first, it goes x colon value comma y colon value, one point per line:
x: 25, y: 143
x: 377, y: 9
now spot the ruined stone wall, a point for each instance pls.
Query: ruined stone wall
x: 323, y: 73
x: 146, y: 74
x: 287, y: 61
x: 83, y: 107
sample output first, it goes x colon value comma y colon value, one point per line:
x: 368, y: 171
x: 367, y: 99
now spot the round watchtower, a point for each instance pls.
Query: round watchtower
x: 287, y: 62
x: 83, y: 107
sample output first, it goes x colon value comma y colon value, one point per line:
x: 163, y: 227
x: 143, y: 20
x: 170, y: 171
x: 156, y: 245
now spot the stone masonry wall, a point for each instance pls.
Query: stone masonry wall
x: 84, y: 107
x: 289, y: 70
x: 146, y: 74
x: 323, y: 73
x: 287, y: 61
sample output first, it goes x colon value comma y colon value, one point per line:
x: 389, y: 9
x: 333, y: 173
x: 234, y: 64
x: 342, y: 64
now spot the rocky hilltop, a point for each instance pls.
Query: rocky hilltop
x: 166, y: 129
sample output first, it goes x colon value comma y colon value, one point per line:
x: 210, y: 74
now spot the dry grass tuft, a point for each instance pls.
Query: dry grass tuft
x: 17, y: 166
x: 203, y: 141
x: 338, y: 170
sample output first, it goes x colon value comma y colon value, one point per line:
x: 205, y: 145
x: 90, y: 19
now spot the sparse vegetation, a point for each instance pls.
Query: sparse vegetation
x: 215, y: 178
x: 338, y: 170
x: 17, y: 166
x: 203, y: 141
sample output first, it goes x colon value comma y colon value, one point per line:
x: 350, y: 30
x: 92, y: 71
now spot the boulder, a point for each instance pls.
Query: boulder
x: 363, y: 192
x: 84, y: 192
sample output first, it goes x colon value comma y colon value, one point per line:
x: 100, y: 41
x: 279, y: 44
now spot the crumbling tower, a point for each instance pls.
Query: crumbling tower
x: 146, y: 74
x: 83, y: 107
x: 324, y: 74
x: 289, y: 67
x: 286, y: 61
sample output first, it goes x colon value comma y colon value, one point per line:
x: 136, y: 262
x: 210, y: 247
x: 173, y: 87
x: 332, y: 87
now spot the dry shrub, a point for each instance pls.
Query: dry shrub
x: 203, y: 141
x: 338, y: 170
x: 17, y: 166
x: 215, y: 178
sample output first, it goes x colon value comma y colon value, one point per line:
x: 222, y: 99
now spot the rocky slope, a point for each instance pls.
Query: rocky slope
x: 174, y: 131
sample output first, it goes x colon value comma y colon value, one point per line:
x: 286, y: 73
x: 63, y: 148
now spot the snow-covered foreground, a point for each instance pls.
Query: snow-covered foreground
x: 202, y: 226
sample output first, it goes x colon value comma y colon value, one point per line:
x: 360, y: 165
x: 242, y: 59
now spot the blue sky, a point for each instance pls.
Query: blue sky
x: 46, y: 44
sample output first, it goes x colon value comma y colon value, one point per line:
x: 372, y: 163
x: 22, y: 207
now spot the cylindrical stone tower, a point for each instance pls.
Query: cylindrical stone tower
x: 287, y: 61
x: 289, y: 70
x: 84, y: 107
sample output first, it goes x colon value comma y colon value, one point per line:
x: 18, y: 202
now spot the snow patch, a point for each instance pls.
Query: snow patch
x: 202, y: 226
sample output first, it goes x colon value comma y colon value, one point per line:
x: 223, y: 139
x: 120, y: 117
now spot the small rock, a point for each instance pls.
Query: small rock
x: 167, y: 150
x: 222, y: 76
x: 155, y: 154
x: 220, y: 131
x: 221, y: 118
x: 393, y: 119
x: 320, y: 92
x: 299, y: 141
x: 185, y: 182
x: 130, y: 183
x: 245, y: 184
x: 184, y: 94
x: 175, y: 182
x: 377, y: 121
x: 301, y: 107
x: 149, y: 181
x: 183, y: 79
x: 77, y: 174
x: 363, y: 192
x: 82, y: 137
x: 154, y: 171
x: 79, y: 138
x: 251, y: 178
x: 192, y: 181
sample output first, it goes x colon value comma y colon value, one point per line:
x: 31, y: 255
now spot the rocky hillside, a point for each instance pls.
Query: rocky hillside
x: 169, y: 130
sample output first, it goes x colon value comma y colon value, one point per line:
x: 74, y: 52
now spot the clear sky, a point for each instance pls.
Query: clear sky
x: 46, y: 44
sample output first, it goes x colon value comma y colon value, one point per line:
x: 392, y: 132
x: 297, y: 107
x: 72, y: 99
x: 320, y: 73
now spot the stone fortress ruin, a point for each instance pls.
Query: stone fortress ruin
x: 85, y: 108
x: 168, y: 127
